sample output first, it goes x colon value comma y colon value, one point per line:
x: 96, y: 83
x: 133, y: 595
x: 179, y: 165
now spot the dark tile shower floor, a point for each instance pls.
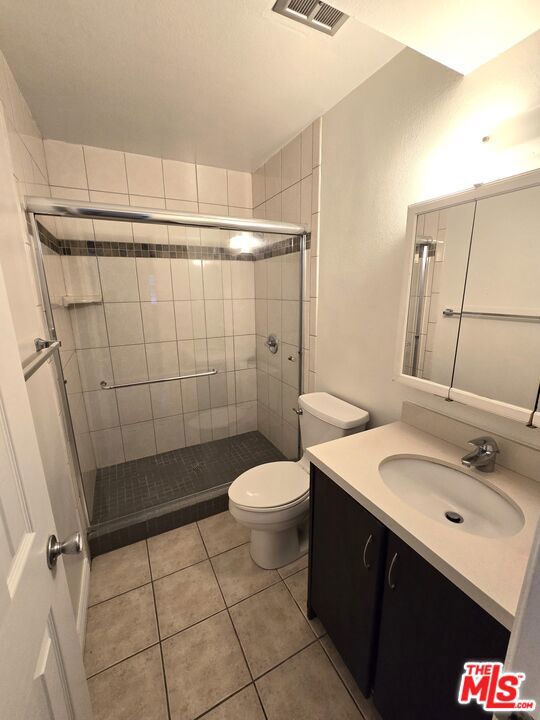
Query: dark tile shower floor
x: 138, y: 485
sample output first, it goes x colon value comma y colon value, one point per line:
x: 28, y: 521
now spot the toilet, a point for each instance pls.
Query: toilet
x: 273, y: 499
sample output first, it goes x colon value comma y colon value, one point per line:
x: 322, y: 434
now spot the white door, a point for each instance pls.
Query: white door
x: 41, y: 668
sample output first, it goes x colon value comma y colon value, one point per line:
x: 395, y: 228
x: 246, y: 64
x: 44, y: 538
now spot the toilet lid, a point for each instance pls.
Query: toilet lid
x: 270, y: 485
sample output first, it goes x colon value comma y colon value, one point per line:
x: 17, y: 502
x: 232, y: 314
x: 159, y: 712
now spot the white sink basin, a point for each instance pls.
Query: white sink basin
x: 452, y: 497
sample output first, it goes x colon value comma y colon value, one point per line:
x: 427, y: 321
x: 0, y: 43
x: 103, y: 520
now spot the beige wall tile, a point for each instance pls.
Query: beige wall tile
x: 139, y: 440
x: 272, y: 174
x: 65, y: 163
x: 134, y: 404
x: 108, y: 447
x: 291, y: 204
x: 212, y: 185
x: 258, y: 187
x: 105, y: 169
x: 180, y: 180
x: 169, y: 433
x: 239, y: 189
x: 101, y: 409
x: 144, y: 175
x: 291, y: 163
x: 307, y: 151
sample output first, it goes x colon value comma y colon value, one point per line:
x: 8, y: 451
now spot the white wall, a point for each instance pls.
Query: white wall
x: 411, y: 132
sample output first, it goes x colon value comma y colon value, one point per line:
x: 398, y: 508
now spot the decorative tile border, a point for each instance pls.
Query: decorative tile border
x: 92, y: 248
x: 48, y: 239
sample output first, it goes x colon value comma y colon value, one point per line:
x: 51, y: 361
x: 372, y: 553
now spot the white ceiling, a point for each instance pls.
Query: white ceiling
x: 222, y: 82
x: 462, y: 34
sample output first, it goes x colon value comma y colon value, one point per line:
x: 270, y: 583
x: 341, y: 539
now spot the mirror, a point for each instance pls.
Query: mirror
x: 498, y: 351
x: 473, y: 317
x: 438, y: 277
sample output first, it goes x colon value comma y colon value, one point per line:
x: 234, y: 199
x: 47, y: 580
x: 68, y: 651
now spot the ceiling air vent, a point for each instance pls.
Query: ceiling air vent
x: 318, y: 15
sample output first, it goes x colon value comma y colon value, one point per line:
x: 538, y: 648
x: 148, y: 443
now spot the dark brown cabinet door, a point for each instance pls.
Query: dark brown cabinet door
x: 429, y: 628
x: 345, y: 574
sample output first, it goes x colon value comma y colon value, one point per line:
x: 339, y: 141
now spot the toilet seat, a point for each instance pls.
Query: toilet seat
x: 272, y: 486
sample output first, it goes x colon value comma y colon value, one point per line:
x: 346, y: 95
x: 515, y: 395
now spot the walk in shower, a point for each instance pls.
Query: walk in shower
x: 180, y: 362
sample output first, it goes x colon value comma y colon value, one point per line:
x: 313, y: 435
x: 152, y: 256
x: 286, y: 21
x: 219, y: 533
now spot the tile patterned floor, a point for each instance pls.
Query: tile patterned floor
x: 137, y: 485
x: 184, y: 626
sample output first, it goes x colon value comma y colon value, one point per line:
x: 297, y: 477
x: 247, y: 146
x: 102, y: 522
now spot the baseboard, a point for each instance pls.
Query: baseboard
x: 83, y: 602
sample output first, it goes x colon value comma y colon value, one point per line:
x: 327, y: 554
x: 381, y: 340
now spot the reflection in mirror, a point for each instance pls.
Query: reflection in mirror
x: 498, y: 352
x: 437, y: 282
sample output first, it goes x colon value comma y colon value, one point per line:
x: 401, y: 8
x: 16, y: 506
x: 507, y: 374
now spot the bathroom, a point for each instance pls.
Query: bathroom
x: 270, y: 389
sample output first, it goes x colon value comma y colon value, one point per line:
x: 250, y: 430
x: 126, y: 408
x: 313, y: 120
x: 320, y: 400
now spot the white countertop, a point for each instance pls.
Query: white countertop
x: 489, y: 570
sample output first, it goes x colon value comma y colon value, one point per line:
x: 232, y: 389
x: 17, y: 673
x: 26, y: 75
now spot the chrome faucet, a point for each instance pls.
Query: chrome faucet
x: 484, y: 455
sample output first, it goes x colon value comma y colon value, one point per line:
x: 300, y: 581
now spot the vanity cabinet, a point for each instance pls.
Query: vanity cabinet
x: 428, y: 629
x: 347, y: 547
x: 403, y: 630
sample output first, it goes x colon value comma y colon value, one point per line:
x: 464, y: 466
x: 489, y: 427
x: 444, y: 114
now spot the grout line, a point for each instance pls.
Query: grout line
x: 304, y: 615
x: 177, y: 340
x: 186, y: 567
x: 126, y: 175
x: 342, y: 680
x: 124, y: 592
x: 221, y: 702
x: 222, y: 552
x: 237, y: 637
x: 190, y: 627
x: 257, y: 592
x: 119, y: 662
x: 282, y: 662
x: 159, y: 636
x: 108, y: 348
x: 308, y: 622
x: 260, y: 701
x: 225, y: 609
x: 296, y: 572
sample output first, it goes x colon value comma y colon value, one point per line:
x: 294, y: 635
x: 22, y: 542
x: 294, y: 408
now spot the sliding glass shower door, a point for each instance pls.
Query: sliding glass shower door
x: 173, y: 385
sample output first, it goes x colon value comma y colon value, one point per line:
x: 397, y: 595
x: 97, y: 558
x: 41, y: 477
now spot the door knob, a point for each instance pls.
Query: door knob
x: 55, y: 548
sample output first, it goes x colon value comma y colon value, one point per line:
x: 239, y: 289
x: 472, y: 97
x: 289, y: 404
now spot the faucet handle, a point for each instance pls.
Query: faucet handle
x: 486, y: 443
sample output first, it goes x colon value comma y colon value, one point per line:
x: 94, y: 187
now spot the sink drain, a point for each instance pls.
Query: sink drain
x: 453, y: 516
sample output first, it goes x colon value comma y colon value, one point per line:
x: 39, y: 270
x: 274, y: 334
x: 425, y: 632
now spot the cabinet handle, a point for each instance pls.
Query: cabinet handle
x: 392, y: 585
x: 367, y: 564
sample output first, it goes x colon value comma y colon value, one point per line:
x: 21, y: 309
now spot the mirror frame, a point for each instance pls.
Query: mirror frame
x: 479, y: 192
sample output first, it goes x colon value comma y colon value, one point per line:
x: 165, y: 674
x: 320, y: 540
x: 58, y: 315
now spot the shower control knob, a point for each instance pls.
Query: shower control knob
x: 55, y: 548
x: 272, y: 344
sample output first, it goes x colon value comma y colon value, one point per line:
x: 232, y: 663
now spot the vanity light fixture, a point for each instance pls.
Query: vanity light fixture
x: 517, y: 130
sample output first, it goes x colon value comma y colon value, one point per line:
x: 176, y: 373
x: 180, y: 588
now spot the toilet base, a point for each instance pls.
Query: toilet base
x: 271, y: 549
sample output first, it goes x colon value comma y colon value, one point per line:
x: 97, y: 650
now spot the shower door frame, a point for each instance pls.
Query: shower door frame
x: 38, y: 206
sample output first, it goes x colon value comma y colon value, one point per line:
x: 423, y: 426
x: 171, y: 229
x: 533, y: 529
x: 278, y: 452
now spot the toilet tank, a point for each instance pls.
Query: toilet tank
x: 325, y: 417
